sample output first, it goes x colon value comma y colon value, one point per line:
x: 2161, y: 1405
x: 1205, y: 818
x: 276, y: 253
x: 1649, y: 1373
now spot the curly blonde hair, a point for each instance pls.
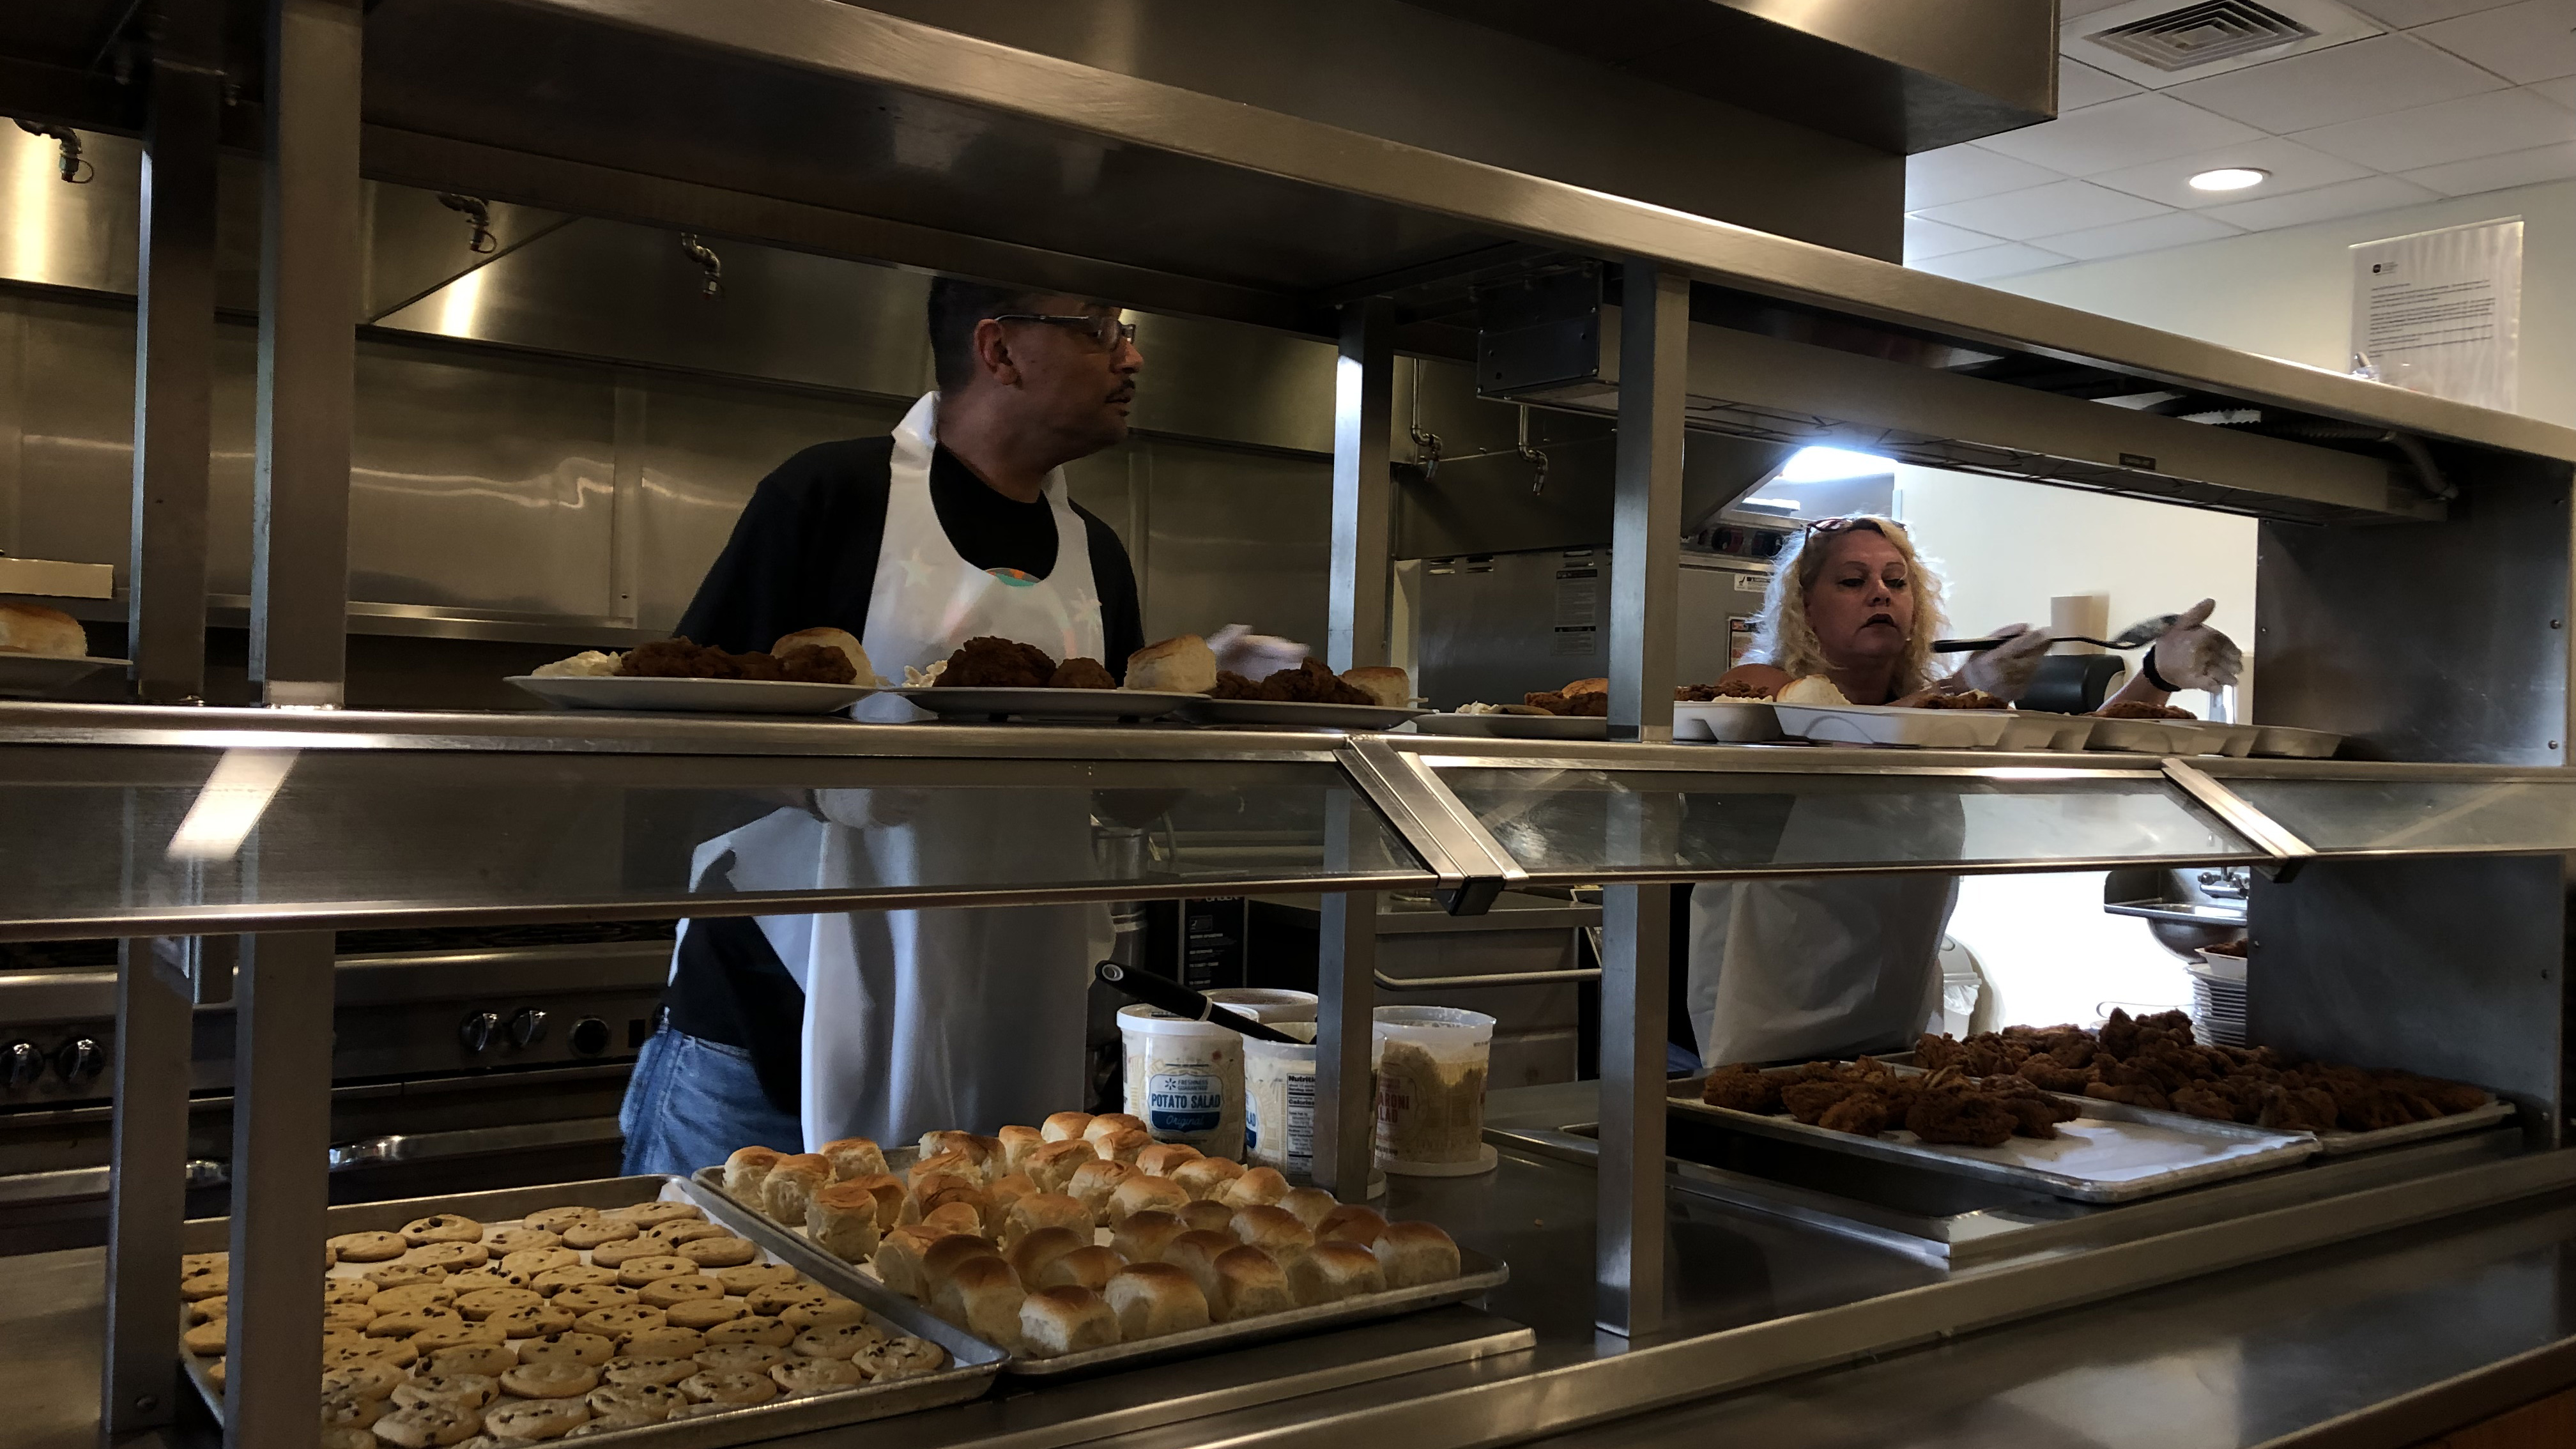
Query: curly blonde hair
x: 1785, y: 640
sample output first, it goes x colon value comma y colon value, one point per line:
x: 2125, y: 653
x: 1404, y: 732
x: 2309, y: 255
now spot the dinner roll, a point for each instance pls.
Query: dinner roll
x: 1065, y: 1126
x: 1204, y: 1177
x: 941, y: 1260
x: 899, y: 1255
x: 792, y: 1182
x: 1065, y: 1319
x: 1207, y: 1217
x: 1152, y: 1299
x: 853, y: 1157
x: 1093, y: 1181
x: 941, y: 1188
x: 746, y: 1170
x: 1386, y: 686
x: 840, y: 639
x: 1017, y: 1144
x: 1052, y: 1166
x: 1159, y: 1159
x: 888, y: 1190
x: 1259, y: 1187
x: 842, y: 1220
x: 935, y: 1143
x: 956, y: 1217
x: 1351, y: 1223
x: 1141, y: 1237
x: 1331, y: 1272
x: 952, y: 1163
x: 1030, y: 1255
x: 1182, y: 664
x: 1274, y: 1230
x: 1311, y: 1205
x: 1045, y: 1210
x: 35, y: 629
x: 1144, y: 1194
x: 1123, y: 1144
x: 1248, y: 1283
x: 1416, y: 1253
x: 983, y: 1297
x: 1007, y: 1189
x: 1195, y: 1253
x: 1108, y: 1122
x: 1090, y: 1267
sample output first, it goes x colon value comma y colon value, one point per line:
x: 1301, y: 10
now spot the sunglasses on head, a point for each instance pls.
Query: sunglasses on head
x: 1843, y: 525
x: 1105, y: 331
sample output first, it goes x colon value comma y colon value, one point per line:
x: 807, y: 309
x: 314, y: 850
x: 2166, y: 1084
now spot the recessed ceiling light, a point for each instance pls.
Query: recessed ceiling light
x: 2229, y: 178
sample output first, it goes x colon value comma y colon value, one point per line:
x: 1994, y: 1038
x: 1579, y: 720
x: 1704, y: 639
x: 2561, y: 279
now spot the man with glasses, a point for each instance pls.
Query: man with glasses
x: 795, y: 1030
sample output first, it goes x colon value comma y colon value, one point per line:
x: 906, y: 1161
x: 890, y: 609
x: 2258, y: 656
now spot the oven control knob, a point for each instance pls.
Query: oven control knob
x: 20, y: 1065
x: 590, y: 1036
x: 80, y: 1062
x: 527, y: 1027
x: 479, y: 1030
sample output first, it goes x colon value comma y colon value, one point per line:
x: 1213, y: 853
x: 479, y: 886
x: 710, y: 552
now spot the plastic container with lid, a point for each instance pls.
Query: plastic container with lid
x: 1279, y: 1100
x: 1431, y: 1067
x: 1184, y: 1079
x: 1268, y: 1004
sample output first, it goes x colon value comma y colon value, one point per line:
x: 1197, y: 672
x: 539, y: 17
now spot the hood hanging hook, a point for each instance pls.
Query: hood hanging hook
x: 478, y: 212
x: 71, y: 167
x: 714, y: 265
x: 1536, y: 459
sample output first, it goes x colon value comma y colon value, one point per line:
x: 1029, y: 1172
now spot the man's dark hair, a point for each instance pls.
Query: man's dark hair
x: 955, y: 307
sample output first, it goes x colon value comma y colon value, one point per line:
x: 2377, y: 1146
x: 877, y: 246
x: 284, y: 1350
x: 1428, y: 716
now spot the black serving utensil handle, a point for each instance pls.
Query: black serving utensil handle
x: 1165, y: 994
x: 1979, y: 646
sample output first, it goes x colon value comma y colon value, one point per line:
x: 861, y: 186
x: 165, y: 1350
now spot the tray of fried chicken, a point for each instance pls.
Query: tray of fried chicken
x: 1999, y: 1129
x: 2152, y: 1063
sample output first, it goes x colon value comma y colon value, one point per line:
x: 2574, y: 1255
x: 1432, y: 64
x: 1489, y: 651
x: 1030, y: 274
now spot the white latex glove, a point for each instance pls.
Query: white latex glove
x: 2192, y: 655
x: 2005, y: 670
x: 1254, y: 656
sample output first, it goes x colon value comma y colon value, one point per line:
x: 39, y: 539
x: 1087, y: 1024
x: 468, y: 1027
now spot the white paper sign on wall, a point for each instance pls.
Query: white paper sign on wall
x: 2440, y: 312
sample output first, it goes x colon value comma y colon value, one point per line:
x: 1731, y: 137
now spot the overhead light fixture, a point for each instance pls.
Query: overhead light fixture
x: 1827, y: 465
x: 2230, y: 178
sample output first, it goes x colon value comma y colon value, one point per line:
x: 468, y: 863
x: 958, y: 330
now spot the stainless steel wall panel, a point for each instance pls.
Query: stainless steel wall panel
x: 1228, y: 383
x: 76, y: 447
x: 512, y: 511
x: 61, y: 235
x: 706, y: 446
x: 414, y: 243
x: 1236, y: 537
x: 600, y: 289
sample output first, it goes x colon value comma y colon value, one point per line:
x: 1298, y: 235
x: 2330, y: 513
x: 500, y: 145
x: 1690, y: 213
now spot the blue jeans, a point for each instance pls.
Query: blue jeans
x: 691, y: 1102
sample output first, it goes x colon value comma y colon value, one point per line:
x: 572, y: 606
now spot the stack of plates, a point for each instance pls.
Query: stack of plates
x: 2218, y: 1000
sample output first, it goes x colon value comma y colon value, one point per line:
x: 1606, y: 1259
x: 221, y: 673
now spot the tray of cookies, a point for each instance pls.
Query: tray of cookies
x: 1085, y: 1245
x: 642, y: 1308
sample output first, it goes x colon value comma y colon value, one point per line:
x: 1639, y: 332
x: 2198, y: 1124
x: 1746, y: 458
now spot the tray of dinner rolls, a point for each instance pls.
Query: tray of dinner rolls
x: 1085, y: 1244
x: 633, y: 1309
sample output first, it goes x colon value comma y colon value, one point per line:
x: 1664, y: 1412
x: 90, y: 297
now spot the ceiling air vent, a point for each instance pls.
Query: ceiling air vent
x: 2196, y: 35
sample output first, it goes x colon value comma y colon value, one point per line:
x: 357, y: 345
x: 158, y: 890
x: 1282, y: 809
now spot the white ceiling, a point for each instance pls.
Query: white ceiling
x: 2453, y: 97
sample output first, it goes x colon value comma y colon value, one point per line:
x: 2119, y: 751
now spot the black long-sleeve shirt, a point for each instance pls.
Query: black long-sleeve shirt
x: 803, y: 555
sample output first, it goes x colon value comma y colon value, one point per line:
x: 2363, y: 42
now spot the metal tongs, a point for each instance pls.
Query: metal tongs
x: 2145, y: 631
x: 1163, y: 993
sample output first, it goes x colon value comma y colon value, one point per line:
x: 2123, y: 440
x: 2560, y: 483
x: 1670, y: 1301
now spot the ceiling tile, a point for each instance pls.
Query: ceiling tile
x: 2002, y: 261
x: 2044, y: 210
x: 2366, y: 78
x: 2486, y: 125
x: 2523, y: 43
x: 2119, y: 133
x: 2325, y: 203
x: 2071, y: 9
x: 1927, y: 238
x: 2080, y: 85
x: 2420, y: 12
x: 1958, y: 173
x: 2494, y: 173
x: 2294, y: 168
x: 2173, y: 229
x: 2562, y: 90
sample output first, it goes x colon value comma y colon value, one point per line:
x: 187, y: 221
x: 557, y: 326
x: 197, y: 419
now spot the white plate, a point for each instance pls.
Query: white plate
x: 2155, y: 737
x: 978, y: 702
x: 1305, y: 715
x: 2295, y: 744
x: 1887, y: 724
x: 697, y: 696
x: 1726, y: 721
x: 2040, y: 730
x: 2235, y: 741
x: 1517, y: 726
x: 45, y: 673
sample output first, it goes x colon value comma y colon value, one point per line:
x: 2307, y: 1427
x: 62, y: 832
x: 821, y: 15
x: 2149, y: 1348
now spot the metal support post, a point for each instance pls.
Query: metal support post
x: 147, y: 1186
x: 1646, y: 519
x: 308, y: 313
x: 174, y: 343
x: 1345, y: 1103
x: 1628, y: 1247
x: 1363, y: 486
x: 281, y: 1147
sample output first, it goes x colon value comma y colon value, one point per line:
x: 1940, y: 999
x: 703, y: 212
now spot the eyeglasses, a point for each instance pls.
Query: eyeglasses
x: 1844, y: 525
x: 1108, y: 332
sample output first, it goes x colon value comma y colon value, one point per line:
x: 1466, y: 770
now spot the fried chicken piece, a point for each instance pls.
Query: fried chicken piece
x: 675, y: 659
x: 2119, y: 1034
x: 1311, y: 683
x: 1742, y: 1089
x: 817, y: 664
x: 1935, y: 1052
x: 994, y: 663
x: 2044, y: 1071
x: 2133, y: 1096
x: 1864, y: 1113
x: 1230, y: 685
x: 1081, y: 674
x: 1961, y: 1119
x: 2135, y: 709
x: 2200, y: 1099
x: 2308, y: 1109
x: 2178, y: 1022
x: 1809, y: 1101
x: 1588, y: 706
x: 2448, y: 1098
x: 1934, y: 699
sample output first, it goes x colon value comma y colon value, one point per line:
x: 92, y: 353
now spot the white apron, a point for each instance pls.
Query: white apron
x: 1821, y: 968
x: 921, y: 1020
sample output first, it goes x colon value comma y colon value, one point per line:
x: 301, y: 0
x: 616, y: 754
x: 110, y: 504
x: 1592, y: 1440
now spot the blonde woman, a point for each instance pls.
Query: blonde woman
x: 1832, y: 966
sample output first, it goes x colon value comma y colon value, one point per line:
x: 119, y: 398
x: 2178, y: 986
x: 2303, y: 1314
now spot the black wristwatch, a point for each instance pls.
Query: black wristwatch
x: 2147, y: 667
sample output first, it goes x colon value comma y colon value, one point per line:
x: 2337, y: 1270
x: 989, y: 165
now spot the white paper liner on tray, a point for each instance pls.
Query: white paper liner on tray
x: 1887, y: 724
x: 1477, y: 1275
x: 972, y: 1363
